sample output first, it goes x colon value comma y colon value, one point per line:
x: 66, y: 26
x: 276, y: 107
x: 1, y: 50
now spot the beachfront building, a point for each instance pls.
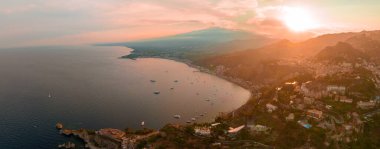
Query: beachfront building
x: 234, y: 131
x: 202, y: 131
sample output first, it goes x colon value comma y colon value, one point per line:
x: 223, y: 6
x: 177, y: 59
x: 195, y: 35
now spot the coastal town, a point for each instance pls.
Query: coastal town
x: 335, y: 102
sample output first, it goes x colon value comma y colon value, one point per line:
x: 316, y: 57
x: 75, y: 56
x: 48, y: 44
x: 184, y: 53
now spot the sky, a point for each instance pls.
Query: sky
x: 71, y: 22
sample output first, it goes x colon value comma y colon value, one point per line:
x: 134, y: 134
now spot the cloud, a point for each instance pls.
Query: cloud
x: 36, y: 22
x: 29, y: 21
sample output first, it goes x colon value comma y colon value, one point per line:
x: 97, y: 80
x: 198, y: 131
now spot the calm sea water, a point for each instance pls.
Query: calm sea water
x: 91, y: 87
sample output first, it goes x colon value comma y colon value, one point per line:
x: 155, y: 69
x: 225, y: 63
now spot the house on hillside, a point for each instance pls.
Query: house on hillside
x: 309, y: 89
x: 271, y: 107
x: 308, y: 100
x: 377, y: 99
x: 366, y: 105
x: 336, y: 89
x: 345, y: 99
x: 259, y: 128
x: 314, y: 113
x: 290, y: 117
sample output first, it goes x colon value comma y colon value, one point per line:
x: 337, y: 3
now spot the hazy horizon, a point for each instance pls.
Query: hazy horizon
x: 72, y: 22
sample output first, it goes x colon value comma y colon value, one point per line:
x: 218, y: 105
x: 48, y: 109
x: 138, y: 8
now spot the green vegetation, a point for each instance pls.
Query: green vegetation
x: 370, y: 138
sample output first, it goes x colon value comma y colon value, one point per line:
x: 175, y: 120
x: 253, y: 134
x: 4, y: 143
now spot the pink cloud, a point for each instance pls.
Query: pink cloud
x: 122, y: 20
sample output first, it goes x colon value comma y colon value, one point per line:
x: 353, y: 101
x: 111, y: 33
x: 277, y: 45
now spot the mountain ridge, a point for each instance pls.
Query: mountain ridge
x: 195, y: 44
x: 284, y: 56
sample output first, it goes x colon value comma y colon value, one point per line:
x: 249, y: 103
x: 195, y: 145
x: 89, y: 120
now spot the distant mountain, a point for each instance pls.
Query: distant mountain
x: 283, y: 49
x: 195, y: 44
x: 341, y: 52
x: 252, y: 64
x: 368, y: 42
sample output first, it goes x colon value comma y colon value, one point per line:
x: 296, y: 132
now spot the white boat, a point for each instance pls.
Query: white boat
x: 142, y: 123
x: 177, y: 116
x: 49, y: 95
x: 193, y: 119
x: 156, y: 92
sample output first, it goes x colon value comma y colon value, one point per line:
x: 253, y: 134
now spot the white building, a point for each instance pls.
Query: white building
x: 344, y: 99
x: 336, y: 89
x: 234, y: 131
x: 366, y: 105
x: 290, y: 117
x: 259, y: 128
x: 203, y: 131
x: 314, y: 113
x: 271, y: 107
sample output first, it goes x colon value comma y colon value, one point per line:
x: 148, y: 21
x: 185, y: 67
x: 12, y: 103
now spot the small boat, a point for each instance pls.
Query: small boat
x: 172, y: 88
x: 207, y: 100
x: 156, y: 92
x: 152, y: 81
x: 67, y: 145
x: 193, y: 119
x: 188, y: 122
x: 142, y: 123
x: 201, y: 115
x: 176, y: 81
x: 59, y: 125
x: 177, y: 116
x: 49, y: 95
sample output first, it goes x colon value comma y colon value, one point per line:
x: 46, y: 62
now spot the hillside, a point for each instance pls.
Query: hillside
x: 367, y: 42
x: 341, y: 52
x: 255, y: 64
x: 280, y: 50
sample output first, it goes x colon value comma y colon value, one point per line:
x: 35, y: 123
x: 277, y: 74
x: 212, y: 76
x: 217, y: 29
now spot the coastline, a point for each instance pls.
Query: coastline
x: 91, y: 137
x: 252, y: 91
x: 192, y: 65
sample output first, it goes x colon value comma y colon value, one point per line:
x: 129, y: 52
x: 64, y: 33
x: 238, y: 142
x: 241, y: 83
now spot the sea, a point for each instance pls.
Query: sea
x: 92, y: 87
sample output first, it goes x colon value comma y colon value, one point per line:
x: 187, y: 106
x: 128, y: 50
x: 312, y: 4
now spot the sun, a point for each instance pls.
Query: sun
x: 299, y: 19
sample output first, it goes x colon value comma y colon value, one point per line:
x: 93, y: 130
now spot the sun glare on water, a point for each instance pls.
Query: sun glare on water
x: 299, y: 19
